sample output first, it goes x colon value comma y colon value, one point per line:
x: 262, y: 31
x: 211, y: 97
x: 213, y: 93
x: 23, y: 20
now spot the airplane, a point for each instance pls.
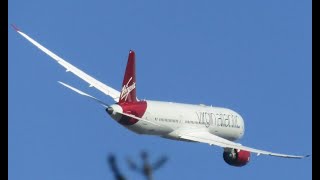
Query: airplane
x: 215, y: 126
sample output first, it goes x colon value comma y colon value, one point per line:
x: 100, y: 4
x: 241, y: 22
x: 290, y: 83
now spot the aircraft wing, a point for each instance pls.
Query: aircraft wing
x: 206, y: 137
x: 114, y: 94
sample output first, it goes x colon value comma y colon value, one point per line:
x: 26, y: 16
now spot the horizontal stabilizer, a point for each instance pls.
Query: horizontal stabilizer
x: 84, y: 94
x: 104, y: 104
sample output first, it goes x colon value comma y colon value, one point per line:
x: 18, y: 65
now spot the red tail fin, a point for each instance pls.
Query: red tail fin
x: 128, y: 92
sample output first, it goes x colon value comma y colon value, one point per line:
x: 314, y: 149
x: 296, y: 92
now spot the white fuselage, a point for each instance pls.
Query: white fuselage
x: 168, y: 117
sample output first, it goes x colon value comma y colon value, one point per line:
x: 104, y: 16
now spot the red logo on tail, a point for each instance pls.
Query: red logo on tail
x: 126, y: 89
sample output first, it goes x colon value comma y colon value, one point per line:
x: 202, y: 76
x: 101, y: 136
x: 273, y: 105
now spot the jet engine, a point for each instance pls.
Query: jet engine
x: 236, y: 157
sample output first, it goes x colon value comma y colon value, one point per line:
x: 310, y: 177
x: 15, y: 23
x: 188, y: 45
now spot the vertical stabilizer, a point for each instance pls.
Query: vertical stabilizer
x: 128, y: 92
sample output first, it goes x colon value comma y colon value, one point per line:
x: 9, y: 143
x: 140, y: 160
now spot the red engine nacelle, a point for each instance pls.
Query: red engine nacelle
x: 236, y: 158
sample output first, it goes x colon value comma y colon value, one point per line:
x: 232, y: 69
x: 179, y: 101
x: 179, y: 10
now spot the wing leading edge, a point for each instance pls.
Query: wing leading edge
x: 114, y: 94
x: 206, y: 137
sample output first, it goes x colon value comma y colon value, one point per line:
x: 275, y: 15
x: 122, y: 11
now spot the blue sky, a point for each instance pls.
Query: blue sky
x: 250, y: 56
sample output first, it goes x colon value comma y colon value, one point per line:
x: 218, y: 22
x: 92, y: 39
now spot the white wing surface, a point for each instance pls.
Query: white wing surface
x: 114, y: 94
x: 206, y: 137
